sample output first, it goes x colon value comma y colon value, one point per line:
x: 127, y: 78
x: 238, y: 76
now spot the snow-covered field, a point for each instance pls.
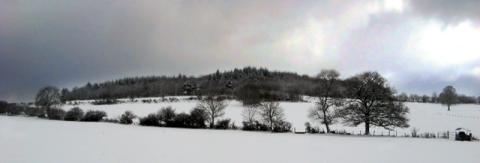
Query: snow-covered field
x: 25, y: 140
x: 423, y: 116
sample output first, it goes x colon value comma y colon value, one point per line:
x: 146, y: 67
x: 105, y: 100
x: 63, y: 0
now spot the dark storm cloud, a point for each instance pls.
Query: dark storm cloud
x: 68, y: 43
x: 56, y: 43
x: 447, y: 10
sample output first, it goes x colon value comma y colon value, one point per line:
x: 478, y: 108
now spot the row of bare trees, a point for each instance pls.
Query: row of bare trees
x: 266, y: 115
x: 448, y: 96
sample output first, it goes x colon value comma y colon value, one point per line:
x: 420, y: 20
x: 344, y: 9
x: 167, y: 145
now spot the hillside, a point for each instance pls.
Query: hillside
x: 218, y: 83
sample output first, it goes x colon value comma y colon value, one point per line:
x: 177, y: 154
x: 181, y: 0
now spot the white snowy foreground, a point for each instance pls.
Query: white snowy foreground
x: 26, y: 139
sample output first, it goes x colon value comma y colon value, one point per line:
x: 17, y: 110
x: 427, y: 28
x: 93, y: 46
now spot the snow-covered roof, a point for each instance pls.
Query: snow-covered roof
x: 462, y: 129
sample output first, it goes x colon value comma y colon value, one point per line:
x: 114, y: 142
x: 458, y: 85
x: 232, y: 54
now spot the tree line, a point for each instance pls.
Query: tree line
x: 249, y: 83
x: 208, y: 113
x: 435, y: 98
x: 282, y: 85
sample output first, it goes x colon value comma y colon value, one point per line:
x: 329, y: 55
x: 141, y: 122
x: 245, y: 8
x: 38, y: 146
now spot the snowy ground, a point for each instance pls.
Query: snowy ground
x: 26, y: 139
x: 423, y: 116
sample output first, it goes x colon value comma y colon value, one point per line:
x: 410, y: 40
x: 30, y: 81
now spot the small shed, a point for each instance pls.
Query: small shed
x: 462, y: 134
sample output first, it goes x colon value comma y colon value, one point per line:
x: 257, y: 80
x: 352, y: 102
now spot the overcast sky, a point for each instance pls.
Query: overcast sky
x: 419, y: 46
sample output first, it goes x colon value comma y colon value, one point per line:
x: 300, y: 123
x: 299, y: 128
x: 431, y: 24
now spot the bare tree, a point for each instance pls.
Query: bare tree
x: 326, y: 115
x: 328, y: 93
x: 271, y: 113
x: 425, y: 98
x: 414, y: 98
x: 373, y: 103
x: 214, y: 107
x: 250, y: 113
x: 48, y: 97
x: 434, y: 98
x: 167, y: 115
x: 448, y: 96
x: 403, y: 97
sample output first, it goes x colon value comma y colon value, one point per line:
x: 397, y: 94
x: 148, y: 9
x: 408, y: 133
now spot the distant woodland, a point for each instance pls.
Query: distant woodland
x: 282, y: 85
x: 248, y: 82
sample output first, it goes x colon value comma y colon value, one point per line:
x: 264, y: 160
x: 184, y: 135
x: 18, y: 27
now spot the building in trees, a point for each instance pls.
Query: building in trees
x: 448, y: 96
x: 372, y: 103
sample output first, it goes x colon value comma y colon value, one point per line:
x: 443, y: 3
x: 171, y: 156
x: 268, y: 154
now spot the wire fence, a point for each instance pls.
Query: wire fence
x: 414, y: 133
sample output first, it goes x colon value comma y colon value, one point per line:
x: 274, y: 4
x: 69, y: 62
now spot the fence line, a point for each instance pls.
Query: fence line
x: 394, y: 133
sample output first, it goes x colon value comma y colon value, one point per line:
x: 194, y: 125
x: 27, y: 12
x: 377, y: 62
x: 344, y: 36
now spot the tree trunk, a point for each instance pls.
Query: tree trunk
x: 45, y: 112
x: 271, y: 124
x: 328, y: 127
x: 448, y: 107
x: 325, y: 120
x: 367, y: 128
x: 212, y: 123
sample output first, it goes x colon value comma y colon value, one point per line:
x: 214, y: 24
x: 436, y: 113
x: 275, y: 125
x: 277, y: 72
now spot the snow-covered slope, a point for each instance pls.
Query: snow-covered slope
x: 25, y: 139
x: 423, y: 116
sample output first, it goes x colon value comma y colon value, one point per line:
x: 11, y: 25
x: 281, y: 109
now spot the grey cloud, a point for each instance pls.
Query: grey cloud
x: 68, y: 43
x: 447, y: 10
x: 464, y: 84
x: 382, y: 45
x: 71, y: 42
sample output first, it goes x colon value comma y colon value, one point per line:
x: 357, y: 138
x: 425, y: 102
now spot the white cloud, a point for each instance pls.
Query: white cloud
x: 476, y: 72
x: 447, y: 45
